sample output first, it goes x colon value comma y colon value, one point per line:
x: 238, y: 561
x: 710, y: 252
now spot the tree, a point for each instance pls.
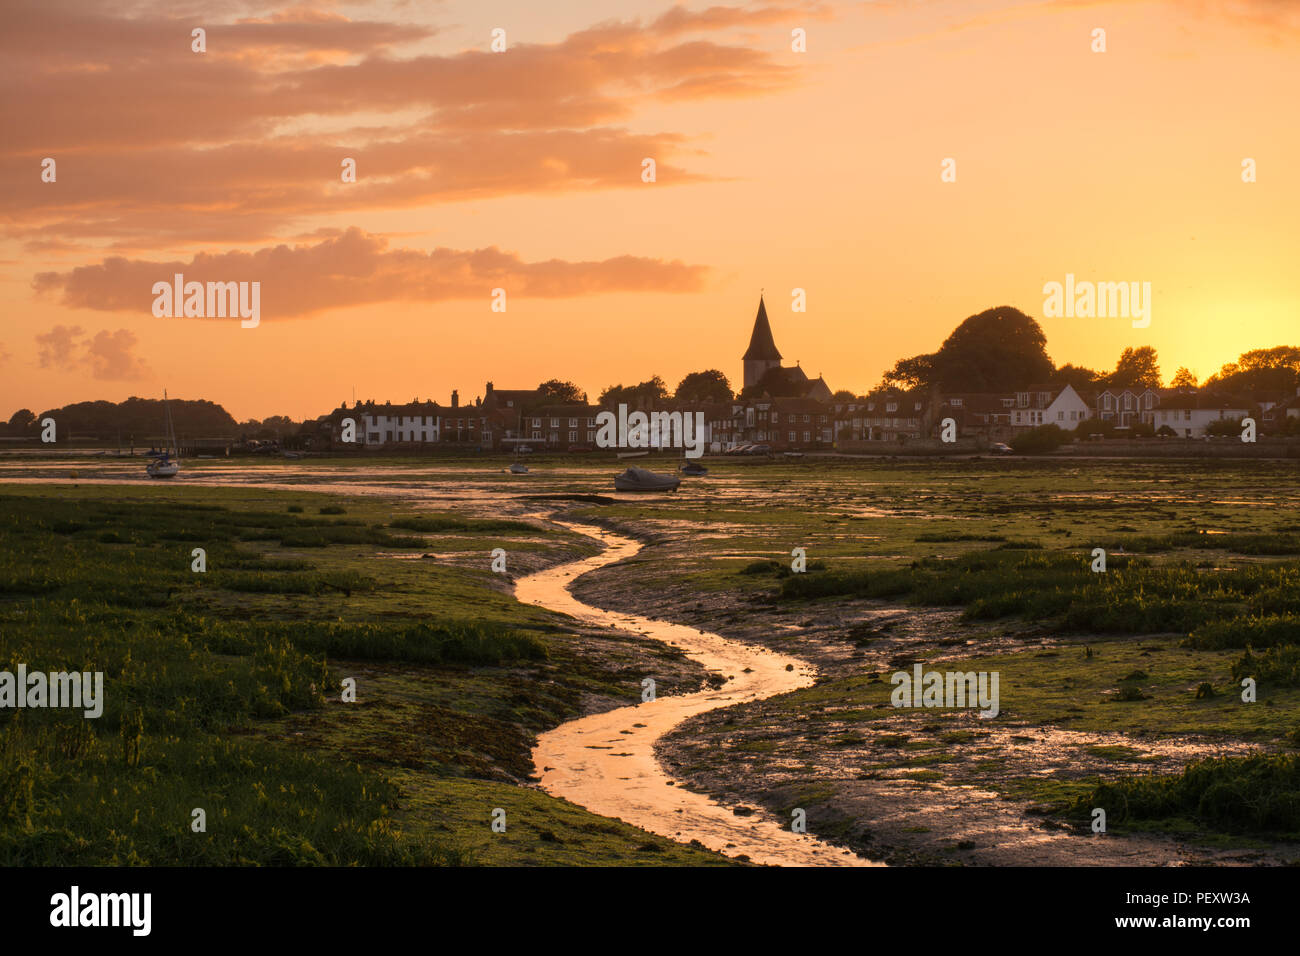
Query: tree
x: 1259, y: 372
x: 844, y: 395
x: 1183, y: 378
x: 996, y: 350
x: 1076, y: 376
x: 1138, y: 367
x: 707, y: 386
x: 21, y: 420
x: 646, y: 394
x: 562, y: 393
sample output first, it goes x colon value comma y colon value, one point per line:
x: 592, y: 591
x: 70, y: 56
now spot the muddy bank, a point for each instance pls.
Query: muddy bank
x: 869, y: 786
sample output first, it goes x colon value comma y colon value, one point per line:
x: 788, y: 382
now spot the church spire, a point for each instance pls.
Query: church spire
x: 762, y: 346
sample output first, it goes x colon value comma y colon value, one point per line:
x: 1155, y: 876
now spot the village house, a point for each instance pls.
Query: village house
x: 893, y: 414
x: 1126, y: 407
x: 1039, y: 405
x: 560, y: 427
x: 1188, y: 415
x: 977, y: 414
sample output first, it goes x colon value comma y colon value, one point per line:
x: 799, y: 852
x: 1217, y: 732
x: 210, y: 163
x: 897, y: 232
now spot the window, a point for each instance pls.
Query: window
x: 573, y: 436
x: 1187, y: 414
x: 775, y: 418
x: 954, y: 402
x: 805, y: 421
x: 537, y: 423
x: 573, y: 423
x: 591, y: 423
x: 792, y: 438
x: 891, y: 407
x: 807, y: 436
x: 537, y: 436
x: 1060, y: 416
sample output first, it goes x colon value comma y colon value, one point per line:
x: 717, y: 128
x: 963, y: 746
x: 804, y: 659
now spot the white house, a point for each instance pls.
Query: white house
x: 1048, y: 405
x: 1188, y: 415
x: 387, y: 424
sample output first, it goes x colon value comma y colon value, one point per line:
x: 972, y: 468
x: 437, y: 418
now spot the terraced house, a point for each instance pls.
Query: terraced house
x: 1127, y: 406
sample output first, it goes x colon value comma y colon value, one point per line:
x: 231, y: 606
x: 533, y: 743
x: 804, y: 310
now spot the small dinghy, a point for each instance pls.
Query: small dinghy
x: 638, y: 479
x: 518, y: 468
x: 694, y: 469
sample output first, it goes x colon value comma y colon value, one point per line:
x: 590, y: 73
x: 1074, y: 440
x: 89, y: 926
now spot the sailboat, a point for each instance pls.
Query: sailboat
x: 164, y: 465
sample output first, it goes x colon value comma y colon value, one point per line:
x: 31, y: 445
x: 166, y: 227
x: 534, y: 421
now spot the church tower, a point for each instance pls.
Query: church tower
x: 761, y: 354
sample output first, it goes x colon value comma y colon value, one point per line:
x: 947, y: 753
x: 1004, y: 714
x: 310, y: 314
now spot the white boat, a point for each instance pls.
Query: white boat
x: 518, y: 468
x: 638, y: 479
x: 164, y: 465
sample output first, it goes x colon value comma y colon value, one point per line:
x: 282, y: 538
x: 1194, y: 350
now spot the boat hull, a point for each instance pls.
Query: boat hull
x: 638, y: 479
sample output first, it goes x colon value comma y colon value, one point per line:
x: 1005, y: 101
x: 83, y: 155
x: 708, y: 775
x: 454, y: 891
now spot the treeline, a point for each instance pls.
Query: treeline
x: 138, y: 419
x: 1004, y: 349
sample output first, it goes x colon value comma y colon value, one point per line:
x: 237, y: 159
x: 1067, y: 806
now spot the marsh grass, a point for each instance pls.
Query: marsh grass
x: 1256, y: 794
x: 198, y: 667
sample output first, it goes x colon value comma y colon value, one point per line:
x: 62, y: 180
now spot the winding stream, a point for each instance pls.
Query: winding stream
x: 605, y: 762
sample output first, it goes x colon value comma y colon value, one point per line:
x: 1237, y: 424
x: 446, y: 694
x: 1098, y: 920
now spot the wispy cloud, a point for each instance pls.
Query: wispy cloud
x: 157, y: 145
x: 357, y: 268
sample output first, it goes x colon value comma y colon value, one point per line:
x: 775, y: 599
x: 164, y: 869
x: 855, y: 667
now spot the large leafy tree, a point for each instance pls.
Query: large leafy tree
x: 1077, y: 376
x: 1136, y: 368
x: 1260, y: 372
x: 996, y: 350
x: 707, y: 386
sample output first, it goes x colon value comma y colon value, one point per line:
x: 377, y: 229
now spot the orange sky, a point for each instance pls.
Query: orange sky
x: 522, y: 170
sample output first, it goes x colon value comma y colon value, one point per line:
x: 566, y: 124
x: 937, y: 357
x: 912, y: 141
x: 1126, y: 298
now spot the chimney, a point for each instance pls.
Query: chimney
x: 489, y: 390
x: 455, y: 398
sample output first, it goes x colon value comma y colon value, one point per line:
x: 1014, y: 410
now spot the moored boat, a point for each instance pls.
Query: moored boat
x: 163, y: 464
x: 638, y: 479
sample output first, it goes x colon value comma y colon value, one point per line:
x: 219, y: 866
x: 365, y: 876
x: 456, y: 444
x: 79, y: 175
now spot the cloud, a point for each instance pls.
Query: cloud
x: 357, y: 268
x: 156, y: 144
x: 109, y: 355
x: 55, y: 348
